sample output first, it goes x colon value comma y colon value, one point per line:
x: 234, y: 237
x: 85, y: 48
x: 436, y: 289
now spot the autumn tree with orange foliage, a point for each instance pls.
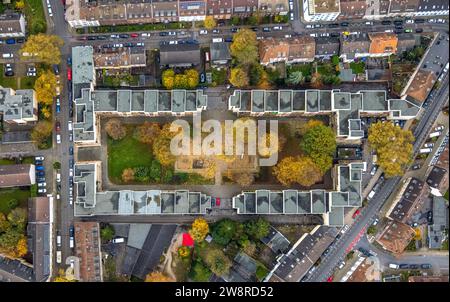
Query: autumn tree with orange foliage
x: 158, y: 277
x: 147, y: 132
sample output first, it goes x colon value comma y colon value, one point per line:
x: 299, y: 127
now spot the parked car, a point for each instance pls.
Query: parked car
x: 58, y: 138
x: 71, y: 150
x: 413, y: 266
x: 374, y: 170
x: 403, y: 266
x: 42, y: 184
x: 134, y: 35
x: 40, y: 168
x: 428, y: 145
x: 40, y: 173
x: 416, y: 167
x: 266, y: 29
x: 163, y: 33
x: 39, y: 158
x: 124, y: 36
x: 357, y: 212
x: 58, y: 126
x: 278, y: 28
x: 42, y: 191
x: 425, y: 266
x: 11, y: 41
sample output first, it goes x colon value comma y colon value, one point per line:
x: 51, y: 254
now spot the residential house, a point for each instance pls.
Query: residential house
x: 165, y: 10
x: 274, y: 7
x: 294, y: 265
x: 377, y: 9
x: 219, y: 9
x: 407, y: 42
x: 12, y: 25
x: 432, y: 8
x: 13, y: 270
x: 354, y: 46
x: 327, y: 47
x: 438, y: 180
x: 438, y: 230
x: 21, y: 175
x: 39, y: 232
x: 292, y: 50
x: 320, y: 10
x: 409, y: 200
x: 192, y: 10
x: 220, y: 53
x: 179, y: 55
x: 244, y: 8
x: 382, y: 44
x: 122, y: 58
x: 87, y: 249
x: 404, y: 8
x: 353, y: 9
x: 395, y: 237
x: 421, y: 85
x: 18, y: 106
x: 442, y: 161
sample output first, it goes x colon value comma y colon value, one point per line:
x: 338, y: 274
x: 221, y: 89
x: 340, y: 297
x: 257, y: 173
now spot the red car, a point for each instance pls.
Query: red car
x: 58, y: 126
x: 217, y: 202
x: 356, y: 214
x: 69, y: 74
x: 134, y: 35
x: 330, y: 279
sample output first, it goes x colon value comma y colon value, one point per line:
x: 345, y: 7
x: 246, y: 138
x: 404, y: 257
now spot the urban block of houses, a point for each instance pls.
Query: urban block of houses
x: 368, y: 45
x: 408, y: 200
x: 87, y: 249
x: 17, y: 175
x: 329, y: 10
x: 347, y: 107
x: 90, y: 102
x: 395, y: 237
x: 330, y: 204
x: 12, y: 25
x: 438, y: 230
x: 123, y: 58
x: 293, y: 266
x: 290, y: 50
x: 39, y: 233
x: 326, y: 47
x: 90, y: 200
x: 18, y: 106
x: 81, y: 13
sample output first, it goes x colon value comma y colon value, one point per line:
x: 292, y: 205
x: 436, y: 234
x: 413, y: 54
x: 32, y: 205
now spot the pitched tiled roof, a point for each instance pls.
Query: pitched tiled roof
x: 15, y: 176
x: 383, y: 43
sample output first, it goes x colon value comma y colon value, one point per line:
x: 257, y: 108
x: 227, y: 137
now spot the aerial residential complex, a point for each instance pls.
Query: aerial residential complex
x: 344, y: 179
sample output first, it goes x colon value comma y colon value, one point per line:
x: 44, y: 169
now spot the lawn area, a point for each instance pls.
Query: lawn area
x: 7, y: 82
x: 127, y: 153
x: 358, y: 67
x: 34, y: 13
x: 12, y: 82
x: 6, y: 161
x: 306, y: 69
x: 7, y: 195
x: 219, y: 76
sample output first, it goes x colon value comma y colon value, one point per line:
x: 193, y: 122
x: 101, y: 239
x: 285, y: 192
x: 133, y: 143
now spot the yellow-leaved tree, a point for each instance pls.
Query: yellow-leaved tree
x: 45, y: 87
x: 210, y: 22
x: 199, y: 229
x: 43, y: 48
x: 301, y: 170
x: 244, y: 47
x: 158, y: 277
x: 238, y: 77
x: 393, y: 146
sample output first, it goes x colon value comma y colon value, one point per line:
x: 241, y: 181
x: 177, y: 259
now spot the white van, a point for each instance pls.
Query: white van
x: 435, y: 134
x: 118, y: 240
x: 371, y: 194
x: 69, y: 126
x: 58, y: 240
x: 393, y: 265
x: 425, y: 150
x: 7, y: 55
x: 71, y: 243
x: 217, y: 40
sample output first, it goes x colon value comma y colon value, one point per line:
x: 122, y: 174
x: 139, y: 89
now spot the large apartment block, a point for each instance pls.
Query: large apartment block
x: 320, y: 10
x: 18, y: 106
x: 81, y: 13
x: 345, y: 107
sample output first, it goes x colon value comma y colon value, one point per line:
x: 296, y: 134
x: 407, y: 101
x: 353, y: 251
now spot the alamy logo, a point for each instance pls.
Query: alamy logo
x: 240, y: 137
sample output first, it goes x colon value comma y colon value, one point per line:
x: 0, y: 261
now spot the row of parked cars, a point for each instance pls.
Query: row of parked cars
x: 40, y: 174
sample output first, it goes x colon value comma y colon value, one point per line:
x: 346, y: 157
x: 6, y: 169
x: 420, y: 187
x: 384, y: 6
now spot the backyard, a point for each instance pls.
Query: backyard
x: 16, y: 82
x: 12, y: 198
x: 35, y: 16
